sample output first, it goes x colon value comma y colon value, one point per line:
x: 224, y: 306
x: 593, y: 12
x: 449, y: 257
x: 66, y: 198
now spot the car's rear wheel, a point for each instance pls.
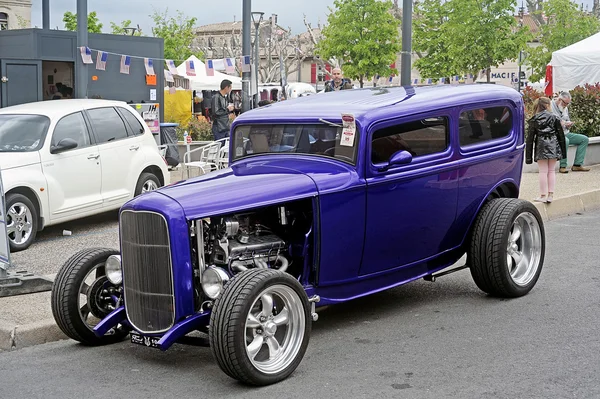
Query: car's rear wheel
x: 21, y: 221
x: 260, y: 326
x: 507, y: 248
x: 82, y: 296
x: 146, y: 183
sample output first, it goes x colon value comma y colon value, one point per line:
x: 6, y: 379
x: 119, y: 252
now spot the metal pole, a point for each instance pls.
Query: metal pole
x: 257, y: 27
x: 246, y: 50
x: 407, y: 10
x: 46, y: 14
x: 82, y: 40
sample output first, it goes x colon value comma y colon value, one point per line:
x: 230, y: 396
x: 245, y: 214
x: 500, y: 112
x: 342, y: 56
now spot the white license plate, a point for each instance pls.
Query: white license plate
x: 151, y: 342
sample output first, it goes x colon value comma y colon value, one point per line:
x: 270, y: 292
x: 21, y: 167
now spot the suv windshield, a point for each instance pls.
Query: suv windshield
x: 22, y: 133
x: 323, y: 140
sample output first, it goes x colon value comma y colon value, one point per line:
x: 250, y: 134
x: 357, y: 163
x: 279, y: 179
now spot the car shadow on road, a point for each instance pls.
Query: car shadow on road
x: 80, y: 226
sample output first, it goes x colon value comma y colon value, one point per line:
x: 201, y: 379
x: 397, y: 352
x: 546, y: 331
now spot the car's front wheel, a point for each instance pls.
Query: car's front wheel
x: 260, y: 326
x: 21, y: 221
x: 82, y: 296
x: 507, y: 248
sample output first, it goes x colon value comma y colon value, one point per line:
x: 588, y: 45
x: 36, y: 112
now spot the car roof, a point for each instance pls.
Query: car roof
x: 371, y: 104
x: 57, y: 108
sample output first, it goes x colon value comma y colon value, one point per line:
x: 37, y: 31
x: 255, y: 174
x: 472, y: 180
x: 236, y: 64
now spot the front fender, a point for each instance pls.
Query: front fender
x: 32, y: 179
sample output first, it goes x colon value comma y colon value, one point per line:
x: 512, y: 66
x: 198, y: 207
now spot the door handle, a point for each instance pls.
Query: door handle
x: 94, y: 156
x: 134, y: 148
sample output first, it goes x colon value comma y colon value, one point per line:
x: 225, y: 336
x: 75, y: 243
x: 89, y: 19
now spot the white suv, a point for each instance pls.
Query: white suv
x: 67, y: 159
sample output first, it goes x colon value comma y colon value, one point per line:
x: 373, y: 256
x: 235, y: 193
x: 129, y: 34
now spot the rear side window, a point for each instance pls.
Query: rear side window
x: 420, y: 137
x: 136, y: 127
x: 108, y: 125
x: 484, y: 124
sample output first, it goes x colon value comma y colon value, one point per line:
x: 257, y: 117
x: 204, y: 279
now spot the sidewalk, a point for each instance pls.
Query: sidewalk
x: 27, y: 320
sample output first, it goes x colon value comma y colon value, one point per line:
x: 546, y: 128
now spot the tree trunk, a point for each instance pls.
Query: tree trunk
x: 361, y: 81
x: 488, y: 72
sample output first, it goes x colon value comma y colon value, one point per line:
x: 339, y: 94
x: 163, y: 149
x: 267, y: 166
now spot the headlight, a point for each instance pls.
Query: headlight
x: 213, y: 281
x: 113, y: 271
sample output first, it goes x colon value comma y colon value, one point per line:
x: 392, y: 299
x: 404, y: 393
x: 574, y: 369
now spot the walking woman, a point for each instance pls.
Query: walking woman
x: 546, y: 135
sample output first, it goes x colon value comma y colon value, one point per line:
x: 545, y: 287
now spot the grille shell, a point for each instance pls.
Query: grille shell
x: 147, y: 271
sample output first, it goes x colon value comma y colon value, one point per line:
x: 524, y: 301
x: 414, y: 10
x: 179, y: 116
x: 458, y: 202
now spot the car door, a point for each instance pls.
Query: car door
x: 410, y: 207
x: 74, y: 176
x: 119, y: 151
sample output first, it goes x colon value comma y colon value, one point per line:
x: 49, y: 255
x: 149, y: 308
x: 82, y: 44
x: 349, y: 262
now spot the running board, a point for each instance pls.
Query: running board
x: 433, y: 277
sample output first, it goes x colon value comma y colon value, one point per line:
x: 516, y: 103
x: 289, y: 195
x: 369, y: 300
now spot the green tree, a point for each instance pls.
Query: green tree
x: 363, y: 35
x: 124, y: 28
x: 566, y: 25
x: 177, y: 33
x: 94, y: 25
x: 466, y: 36
x: 430, y: 41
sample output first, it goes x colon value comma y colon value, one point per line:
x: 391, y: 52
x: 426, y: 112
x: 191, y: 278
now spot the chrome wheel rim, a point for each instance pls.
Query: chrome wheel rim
x: 20, y: 223
x: 274, y: 329
x: 94, y: 299
x: 149, y: 185
x: 524, y: 249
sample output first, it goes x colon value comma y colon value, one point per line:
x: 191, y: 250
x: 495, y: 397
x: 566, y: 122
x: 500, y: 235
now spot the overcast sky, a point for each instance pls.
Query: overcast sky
x: 290, y: 13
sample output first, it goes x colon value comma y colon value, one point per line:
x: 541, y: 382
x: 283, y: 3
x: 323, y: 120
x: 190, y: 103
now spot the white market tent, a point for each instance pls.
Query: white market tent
x: 576, y: 64
x: 203, y: 82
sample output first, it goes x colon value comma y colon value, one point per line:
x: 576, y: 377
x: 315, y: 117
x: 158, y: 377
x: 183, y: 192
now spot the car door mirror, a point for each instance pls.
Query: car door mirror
x: 401, y: 157
x: 63, y: 145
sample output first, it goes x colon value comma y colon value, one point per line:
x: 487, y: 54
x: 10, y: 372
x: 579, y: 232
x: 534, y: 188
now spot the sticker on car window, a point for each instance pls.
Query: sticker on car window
x: 239, y: 151
x: 348, y: 130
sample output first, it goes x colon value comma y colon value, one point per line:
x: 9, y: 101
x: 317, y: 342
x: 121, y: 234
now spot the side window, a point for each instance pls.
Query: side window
x: 420, y: 137
x: 136, y: 127
x: 72, y: 127
x: 108, y: 125
x: 484, y: 124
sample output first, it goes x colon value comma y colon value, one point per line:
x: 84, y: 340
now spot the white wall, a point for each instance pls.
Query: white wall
x: 16, y: 9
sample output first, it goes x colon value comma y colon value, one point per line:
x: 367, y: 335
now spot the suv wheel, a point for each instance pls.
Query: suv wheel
x: 507, y: 248
x: 21, y: 221
x: 146, y: 183
x: 260, y: 326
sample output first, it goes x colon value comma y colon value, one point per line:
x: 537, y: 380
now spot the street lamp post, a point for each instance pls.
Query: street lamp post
x: 257, y: 19
x: 246, y: 50
x: 406, y: 42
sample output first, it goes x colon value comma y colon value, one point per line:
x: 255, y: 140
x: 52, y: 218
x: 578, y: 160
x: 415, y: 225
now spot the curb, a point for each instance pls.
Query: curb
x: 572, y: 205
x: 14, y: 337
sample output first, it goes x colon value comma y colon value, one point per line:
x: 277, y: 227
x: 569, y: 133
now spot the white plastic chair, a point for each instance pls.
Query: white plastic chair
x: 223, y: 157
x: 207, y: 161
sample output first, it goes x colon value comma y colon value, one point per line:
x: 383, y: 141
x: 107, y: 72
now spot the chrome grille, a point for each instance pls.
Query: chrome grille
x: 147, y: 271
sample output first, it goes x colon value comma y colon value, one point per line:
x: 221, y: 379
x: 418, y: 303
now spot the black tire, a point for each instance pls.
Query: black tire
x: 228, y: 335
x: 15, y: 199
x: 66, y: 291
x: 145, y: 178
x: 490, y: 250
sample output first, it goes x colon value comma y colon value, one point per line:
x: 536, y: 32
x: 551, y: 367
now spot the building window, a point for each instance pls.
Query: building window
x: 3, y: 21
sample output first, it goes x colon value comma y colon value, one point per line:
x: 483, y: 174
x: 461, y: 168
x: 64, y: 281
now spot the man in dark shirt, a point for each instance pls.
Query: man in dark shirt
x: 220, y: 111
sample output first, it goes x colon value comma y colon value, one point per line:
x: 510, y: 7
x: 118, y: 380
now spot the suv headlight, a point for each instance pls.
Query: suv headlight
x: 213, y: 281
x: 113, y: 270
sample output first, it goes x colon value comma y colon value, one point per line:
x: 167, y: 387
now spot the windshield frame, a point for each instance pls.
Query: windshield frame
x: 47, y: 121
x: 282, y: 125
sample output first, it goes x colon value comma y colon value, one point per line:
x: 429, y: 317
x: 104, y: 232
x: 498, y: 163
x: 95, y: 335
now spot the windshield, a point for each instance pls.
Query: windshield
x: 321, y: 139
x: 22, y: 133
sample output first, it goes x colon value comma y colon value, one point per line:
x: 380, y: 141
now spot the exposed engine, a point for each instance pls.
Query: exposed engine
x: 240, y: 243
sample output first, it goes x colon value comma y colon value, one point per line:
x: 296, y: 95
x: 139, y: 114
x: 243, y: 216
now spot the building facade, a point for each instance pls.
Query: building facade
x: 15, y: 14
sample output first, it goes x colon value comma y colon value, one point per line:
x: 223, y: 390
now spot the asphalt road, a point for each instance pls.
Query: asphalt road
x: 422, y: 340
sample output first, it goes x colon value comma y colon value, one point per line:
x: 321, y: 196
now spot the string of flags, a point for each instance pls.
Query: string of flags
x: 223, y: 64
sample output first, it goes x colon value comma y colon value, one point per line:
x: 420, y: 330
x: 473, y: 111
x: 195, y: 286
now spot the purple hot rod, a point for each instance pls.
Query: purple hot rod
x: 327, y: 198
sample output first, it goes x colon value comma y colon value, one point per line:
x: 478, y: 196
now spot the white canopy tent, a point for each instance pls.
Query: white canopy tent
x: 576, y: 64
x: 203, y: 82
